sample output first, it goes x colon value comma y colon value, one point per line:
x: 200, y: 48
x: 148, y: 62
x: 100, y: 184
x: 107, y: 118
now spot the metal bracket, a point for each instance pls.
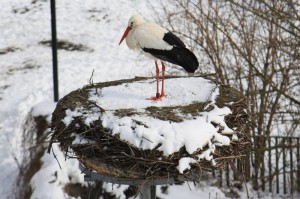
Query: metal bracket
x: 147, y: 185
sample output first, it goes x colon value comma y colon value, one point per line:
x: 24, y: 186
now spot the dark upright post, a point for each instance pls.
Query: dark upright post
x: 54, y: 50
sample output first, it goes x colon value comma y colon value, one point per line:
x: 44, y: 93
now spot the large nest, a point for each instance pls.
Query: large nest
x: 107, y: 154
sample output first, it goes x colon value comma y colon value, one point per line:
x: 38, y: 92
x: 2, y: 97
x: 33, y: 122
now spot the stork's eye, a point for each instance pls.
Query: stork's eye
x: 131, y: 24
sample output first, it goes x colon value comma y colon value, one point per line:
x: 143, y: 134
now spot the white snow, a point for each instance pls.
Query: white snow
x: 116, y: 189
x: 50, y: 180
x: 196, y: 192
x: 78, y: 139
x: 26, y: 74
x: 89, y: 116
x: 179, y: 91
x: 193, y: 134
x: 184, y: 164
x: 70, y: 116
x: 26, y: 80
x: 43, y: 108
x: 235, y: 137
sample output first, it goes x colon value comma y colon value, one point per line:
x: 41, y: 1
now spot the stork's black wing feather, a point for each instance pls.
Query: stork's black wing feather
x: 173, y: 40
x: 177, y: 55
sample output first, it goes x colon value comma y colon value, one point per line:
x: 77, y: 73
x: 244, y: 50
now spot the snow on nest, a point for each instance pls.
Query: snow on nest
x: 179, y: 91
x: 193, y: 133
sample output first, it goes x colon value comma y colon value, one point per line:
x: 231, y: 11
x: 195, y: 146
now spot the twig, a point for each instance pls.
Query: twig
x: 189, y: 185
x: 230, y: 157
x: 147, y: 139
x: 91, y: 79
x: 56, y: 158
x: 147, y: 160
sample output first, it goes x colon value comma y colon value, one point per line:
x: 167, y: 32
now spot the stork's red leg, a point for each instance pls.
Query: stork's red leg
x: 158, y: 96
x: 163, y: 80
x: 157, y: 79
x: 157, y: 84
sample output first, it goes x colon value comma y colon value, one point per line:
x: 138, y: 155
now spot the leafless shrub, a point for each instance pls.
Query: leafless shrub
x: 252, y: 45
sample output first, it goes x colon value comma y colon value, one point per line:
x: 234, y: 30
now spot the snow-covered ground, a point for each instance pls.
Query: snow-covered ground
x: 26, y: 75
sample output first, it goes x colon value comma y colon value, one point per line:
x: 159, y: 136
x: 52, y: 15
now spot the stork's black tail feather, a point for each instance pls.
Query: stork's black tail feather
x: 185, y: 58
x: 177, y: 55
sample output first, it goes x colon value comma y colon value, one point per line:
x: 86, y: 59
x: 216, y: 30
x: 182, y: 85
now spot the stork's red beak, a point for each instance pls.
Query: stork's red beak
x: 125, y: 34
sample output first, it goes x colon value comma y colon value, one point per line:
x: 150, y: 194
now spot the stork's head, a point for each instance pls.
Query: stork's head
x: 133, y: 22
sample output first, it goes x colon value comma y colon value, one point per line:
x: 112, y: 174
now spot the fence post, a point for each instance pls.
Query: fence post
x: 291, y: 165
x: 276, y: 169
x: 255, y: 169
x: 270, y: 165
x: 283, y: 164
x: 262, y: 168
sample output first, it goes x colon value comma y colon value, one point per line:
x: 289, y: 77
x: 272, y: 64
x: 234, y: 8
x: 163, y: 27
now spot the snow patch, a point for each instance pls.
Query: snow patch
x: 88, y: 116
x: 43, y: 108
x: 50, y: 180
x: 234, y: 137
x: 117, y: 190
x: 78, y: 139
x: 179, y: 91
x: 184, y: 163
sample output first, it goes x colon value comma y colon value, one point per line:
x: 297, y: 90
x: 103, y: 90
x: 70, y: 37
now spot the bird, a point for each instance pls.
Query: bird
x: 162, y: 45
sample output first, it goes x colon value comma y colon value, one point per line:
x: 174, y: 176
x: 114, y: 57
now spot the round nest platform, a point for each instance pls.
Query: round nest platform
x: 102, y: 151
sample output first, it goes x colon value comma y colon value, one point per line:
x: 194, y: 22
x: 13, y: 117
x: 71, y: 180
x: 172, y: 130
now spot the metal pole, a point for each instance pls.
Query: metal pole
x: 54, y: 50
x: 148, y: 191
x: 153, y: 191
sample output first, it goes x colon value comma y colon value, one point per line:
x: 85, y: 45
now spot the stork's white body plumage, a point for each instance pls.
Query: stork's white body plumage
x: 147, y: 35
x: 161, y: 44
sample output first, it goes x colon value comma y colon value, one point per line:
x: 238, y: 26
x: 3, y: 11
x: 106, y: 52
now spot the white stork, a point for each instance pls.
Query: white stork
x: 161, y: 44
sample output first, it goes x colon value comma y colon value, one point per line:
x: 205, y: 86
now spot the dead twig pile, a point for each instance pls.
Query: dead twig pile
x: 107, y: 154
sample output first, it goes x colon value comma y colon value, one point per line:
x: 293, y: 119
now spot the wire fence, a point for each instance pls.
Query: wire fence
x: 277, y: 172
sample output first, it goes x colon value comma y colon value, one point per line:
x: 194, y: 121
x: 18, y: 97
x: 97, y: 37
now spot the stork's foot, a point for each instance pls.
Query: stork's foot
x: 158, y: 97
